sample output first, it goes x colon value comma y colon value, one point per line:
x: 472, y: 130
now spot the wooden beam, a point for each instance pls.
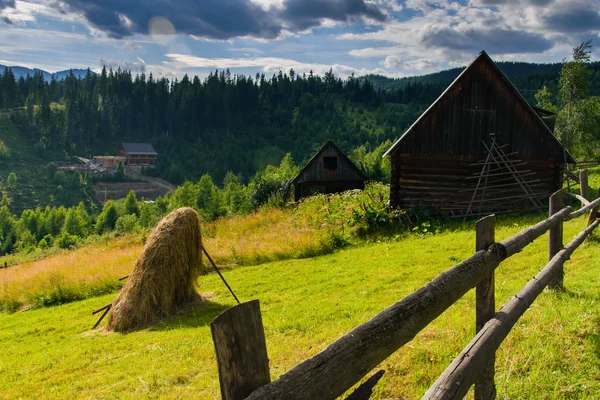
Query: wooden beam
x: 241, y: 350
x: 485, y: 305
x: 456, y: 380
x: 585, y: 209
x: 344, y: 362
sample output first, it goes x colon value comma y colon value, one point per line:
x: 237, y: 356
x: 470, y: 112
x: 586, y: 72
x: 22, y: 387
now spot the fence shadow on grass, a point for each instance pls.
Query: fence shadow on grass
x: 195, y: 315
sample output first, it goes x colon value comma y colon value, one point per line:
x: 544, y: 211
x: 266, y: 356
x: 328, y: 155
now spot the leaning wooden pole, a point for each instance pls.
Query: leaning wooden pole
x: 456, y: 380
x: 343, y: 363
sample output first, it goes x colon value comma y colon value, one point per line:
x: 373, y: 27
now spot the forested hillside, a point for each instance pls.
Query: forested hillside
x: 231, y: 122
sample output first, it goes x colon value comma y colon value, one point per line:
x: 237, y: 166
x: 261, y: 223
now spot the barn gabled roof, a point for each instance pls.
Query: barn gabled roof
x: 484, y: 56
x: 316, y: 156
x: 139, y: 148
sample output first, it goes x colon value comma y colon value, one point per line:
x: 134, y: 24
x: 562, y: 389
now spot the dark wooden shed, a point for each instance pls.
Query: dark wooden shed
x: 438, y: 161
x: 329, y: 171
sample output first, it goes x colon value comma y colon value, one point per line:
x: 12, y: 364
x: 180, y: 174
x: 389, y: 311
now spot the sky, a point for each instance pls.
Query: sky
x: 390, y: 37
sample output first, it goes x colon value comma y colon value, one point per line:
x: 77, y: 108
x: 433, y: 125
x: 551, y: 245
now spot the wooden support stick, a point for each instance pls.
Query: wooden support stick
x: 456, y: 380
x: 485, y: 305
x: 107, y: 308
x: 241, y: 350
x: 555, y: 238
x: 583, y: 184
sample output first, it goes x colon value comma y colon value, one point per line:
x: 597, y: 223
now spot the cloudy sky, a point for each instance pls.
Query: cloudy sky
x: 390, y: 37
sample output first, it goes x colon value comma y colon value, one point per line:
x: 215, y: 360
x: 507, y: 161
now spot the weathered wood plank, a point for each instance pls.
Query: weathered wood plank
x: 241, y: 350
x: 456, y: 380
x: 485, y: 305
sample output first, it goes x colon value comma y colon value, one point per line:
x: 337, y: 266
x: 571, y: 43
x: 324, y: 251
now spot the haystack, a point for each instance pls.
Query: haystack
x: 165, y: 274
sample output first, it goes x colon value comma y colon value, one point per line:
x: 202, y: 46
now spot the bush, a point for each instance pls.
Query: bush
x: 51, y: 169
x: 12, y: 179
x: 108, y: 218
x: 66, y: 241
x: 120, y: 175
x: 127, y: 223
x: 130, y: 205
x: 4, y: 151
x: 60, y: 178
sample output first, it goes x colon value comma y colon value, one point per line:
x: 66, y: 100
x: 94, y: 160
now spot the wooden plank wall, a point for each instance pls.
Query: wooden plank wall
x: 482, y: 102
x: 438, y: 180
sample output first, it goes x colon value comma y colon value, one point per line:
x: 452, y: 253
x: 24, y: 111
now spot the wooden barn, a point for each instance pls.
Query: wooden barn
x: 329, y: 171
x: 479, y: 148
x: 138, y: 153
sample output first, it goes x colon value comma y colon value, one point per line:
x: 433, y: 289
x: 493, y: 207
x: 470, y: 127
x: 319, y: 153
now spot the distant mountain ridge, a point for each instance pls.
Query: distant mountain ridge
x: 513, y: 70
x: 19, y: 71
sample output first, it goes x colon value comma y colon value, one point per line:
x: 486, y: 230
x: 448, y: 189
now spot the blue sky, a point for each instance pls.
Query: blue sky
x: 390, y: 37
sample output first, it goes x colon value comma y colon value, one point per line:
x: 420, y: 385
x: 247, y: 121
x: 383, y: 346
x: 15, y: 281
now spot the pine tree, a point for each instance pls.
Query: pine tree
x: 130, y: 205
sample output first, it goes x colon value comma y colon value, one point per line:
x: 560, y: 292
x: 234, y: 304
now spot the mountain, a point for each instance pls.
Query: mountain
x: 513, y: 70
x: 59, y: 75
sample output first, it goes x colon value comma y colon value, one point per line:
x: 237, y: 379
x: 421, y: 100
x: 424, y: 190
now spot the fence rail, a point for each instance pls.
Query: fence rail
x: 347, y: 360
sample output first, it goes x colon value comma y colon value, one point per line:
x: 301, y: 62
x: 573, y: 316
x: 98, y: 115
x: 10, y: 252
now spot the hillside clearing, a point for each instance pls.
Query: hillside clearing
x: 306, y: 304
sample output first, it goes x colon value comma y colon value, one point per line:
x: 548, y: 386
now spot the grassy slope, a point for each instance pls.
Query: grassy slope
x: 33, y: 188
x: 306, y: 304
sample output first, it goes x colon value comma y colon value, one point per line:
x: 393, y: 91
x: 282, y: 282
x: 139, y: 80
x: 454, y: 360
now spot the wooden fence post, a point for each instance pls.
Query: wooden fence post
x: 555, y: 238
x: 594, y: 213
x: 239, y: 340
x: 485, y: 305
x: 583, y: 184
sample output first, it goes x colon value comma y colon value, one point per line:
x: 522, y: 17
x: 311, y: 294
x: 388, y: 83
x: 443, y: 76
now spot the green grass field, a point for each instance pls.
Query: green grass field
x: 553, y: 352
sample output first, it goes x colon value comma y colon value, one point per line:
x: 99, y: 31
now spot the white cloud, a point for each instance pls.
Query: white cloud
x: 268, y: 64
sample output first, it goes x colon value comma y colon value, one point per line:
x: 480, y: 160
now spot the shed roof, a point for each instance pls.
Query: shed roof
x: 316, y: 156
x: 485, y: 57
x: 139, y: 148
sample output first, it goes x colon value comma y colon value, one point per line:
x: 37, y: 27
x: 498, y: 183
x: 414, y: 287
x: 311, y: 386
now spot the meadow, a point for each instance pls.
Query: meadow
x: 306, y: 304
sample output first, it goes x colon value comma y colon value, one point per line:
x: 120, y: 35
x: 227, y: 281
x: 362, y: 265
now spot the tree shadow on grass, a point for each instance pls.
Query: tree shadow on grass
x: 194, y: 315
x: 566, y: 292
x: 594, y: 337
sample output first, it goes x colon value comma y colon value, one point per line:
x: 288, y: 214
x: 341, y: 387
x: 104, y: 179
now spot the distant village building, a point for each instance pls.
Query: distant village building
x: 329, y: 171
x: 138, y: 153
x: 111, y: 162
x: 479, y: 148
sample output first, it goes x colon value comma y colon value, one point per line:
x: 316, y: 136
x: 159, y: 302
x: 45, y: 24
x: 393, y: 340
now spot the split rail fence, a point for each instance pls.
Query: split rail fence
x: 240, y: 344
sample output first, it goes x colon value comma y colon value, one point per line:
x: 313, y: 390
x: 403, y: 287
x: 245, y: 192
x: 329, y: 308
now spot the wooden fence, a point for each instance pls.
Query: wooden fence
x: 241, y: 351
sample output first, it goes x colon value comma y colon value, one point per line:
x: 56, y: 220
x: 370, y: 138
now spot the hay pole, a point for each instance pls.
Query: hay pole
x: 107, y: 309
x: 219, y: 272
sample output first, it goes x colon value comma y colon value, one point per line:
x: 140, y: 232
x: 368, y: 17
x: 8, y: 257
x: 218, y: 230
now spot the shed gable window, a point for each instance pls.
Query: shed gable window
x: 330, y: 163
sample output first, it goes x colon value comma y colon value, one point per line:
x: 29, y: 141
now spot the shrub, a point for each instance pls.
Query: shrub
x: 51, y: 169
x: 127, y: 223
x: 12, y: 179
x: 108, y: 218
x: 120, y: 175
x: 130, y: 205
x: 66, y: 241
x: 4, y: 151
